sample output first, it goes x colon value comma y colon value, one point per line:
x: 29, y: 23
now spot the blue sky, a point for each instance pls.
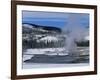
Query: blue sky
x: 56, y: 19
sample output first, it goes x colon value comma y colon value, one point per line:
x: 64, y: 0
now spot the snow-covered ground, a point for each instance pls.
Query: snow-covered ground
x: 41, y: 50
x: 48, y: 51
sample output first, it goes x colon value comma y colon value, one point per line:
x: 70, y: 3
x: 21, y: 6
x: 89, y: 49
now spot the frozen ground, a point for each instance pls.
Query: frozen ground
x: 29, y: 53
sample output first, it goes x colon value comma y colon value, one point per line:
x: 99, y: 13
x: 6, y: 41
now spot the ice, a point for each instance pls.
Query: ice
x: 26, y: 57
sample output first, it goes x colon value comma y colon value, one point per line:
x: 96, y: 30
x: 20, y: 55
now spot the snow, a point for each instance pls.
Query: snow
x: 42, y: 51
x: 33, y: 51
x: 49, y: 39
x: 53, y: 51
x: 26, y: 57
x: 27, y: 26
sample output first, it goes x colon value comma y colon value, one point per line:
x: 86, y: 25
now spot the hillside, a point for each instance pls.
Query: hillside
x: 39, y: 29
x: 38, y: 36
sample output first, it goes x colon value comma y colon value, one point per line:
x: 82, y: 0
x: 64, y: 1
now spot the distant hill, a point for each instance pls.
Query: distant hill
x: 29, y: 28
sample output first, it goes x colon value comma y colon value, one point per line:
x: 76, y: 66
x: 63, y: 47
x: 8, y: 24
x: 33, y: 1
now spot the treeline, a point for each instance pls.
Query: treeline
x: 83, y: 43
x: 52, y: 44
x: 42, y: 44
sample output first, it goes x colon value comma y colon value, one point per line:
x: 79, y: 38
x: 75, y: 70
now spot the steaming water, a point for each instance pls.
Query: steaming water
x: 71, y: 46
